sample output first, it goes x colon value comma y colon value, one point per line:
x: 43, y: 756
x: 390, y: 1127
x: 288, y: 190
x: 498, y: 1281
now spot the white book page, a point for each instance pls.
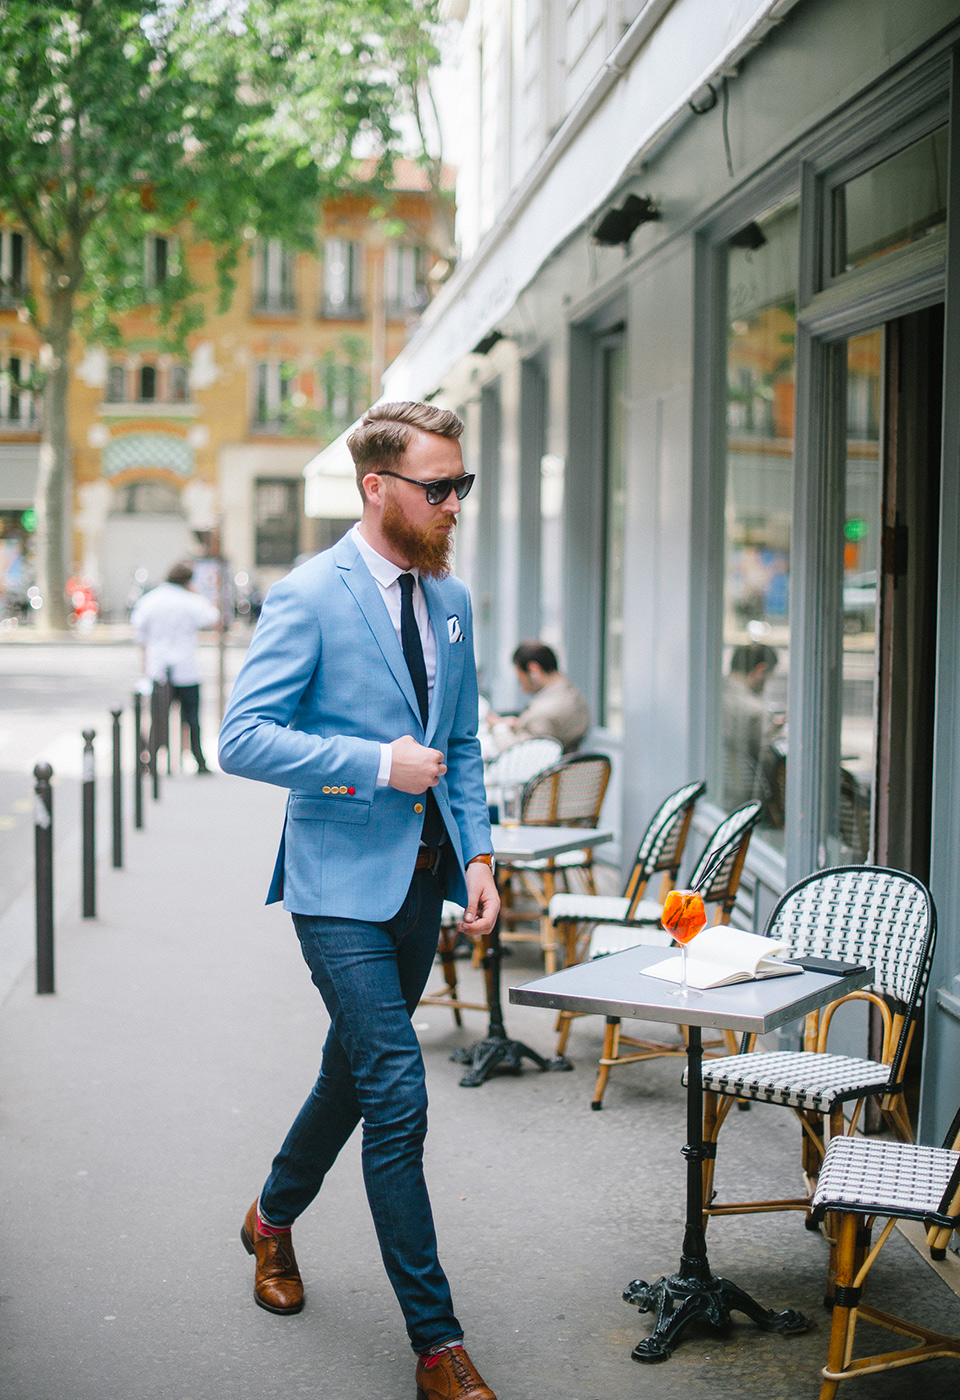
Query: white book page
x: 719, y: 957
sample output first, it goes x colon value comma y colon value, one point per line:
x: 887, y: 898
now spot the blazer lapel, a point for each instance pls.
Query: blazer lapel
x: 438, y: 620
x: 361, y: 584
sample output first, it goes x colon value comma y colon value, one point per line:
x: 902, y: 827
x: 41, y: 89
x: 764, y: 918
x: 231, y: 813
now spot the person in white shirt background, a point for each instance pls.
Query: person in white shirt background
x: 166, y: 622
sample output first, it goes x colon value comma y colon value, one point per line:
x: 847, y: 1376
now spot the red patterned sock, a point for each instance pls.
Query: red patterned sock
x: 265, y: 1228
x: 430, y: 1358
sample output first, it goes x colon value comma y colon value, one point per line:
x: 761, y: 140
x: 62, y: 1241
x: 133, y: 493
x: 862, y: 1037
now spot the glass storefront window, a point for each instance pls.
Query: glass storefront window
x: 863, y: 495
x: 897, y: 202
x: 761, y: 329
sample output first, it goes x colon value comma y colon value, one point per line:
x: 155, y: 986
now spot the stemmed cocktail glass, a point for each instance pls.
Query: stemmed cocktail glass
x: 683, y: 917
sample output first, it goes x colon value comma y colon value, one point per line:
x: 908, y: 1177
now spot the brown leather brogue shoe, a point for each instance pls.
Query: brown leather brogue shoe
x: 277, y: 1284
x: 450, y: 1375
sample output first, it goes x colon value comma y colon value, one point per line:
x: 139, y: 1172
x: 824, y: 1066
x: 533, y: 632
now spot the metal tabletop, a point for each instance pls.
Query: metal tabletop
x: 616, y: 986
x: 541, y: 842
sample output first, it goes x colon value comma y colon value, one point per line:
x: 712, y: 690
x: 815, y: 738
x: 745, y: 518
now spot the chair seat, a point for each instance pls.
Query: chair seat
x: 616, y: 938
x: 797, y: 1079
x: 611, y: 908
x: 883, y: 1178
x: 567, y: 860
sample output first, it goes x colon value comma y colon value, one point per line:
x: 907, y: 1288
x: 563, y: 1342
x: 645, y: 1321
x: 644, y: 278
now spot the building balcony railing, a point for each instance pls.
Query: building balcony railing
x: 268, y: 304
x: 12, y: 296
x: 345, y: 310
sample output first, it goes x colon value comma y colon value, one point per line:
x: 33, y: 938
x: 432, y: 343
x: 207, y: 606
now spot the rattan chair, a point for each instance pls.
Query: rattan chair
x: 859, y: 914
x: 862, y: 1179
x: 732, y: 835
x: 660, y: 852
x: 568, y: 794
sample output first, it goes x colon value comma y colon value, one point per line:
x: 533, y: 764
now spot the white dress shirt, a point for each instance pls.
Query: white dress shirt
x: 386, y: 576
x: 165, y: 622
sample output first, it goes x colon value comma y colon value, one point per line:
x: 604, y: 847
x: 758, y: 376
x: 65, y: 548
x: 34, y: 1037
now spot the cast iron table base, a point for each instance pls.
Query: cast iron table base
x: 497, y: 1053
x: 694, y: 1293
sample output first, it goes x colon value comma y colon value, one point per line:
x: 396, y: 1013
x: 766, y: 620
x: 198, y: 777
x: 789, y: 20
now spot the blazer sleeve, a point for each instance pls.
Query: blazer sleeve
x: 255, y: 741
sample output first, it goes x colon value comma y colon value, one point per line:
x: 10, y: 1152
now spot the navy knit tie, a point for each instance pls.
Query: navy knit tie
x: 433, y: 828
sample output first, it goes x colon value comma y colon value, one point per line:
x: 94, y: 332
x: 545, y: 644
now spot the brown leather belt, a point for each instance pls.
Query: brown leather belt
x: 426, y: 858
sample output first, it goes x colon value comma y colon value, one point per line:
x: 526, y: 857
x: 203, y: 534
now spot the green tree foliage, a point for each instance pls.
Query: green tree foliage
x: 123, y: 118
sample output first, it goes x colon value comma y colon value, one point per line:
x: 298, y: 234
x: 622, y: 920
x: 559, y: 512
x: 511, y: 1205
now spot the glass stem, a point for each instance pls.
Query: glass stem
x: 683, y: 967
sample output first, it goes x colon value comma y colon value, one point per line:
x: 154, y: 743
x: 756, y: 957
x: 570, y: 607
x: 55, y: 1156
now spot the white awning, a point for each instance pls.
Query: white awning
x: 330, y: 483
x: 19, y: 466
x: 639, y: 97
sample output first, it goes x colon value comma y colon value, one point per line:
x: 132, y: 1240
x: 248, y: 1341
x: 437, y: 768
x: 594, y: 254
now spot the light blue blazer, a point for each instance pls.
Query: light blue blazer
x: 323, y: 685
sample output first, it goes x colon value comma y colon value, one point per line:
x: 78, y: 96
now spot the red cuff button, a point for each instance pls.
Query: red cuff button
x: 352, y: 792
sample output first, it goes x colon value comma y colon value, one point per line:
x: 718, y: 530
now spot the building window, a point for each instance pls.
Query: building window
x: 177, y: 384
x: 342, y: 280
x: 13, y: 267
x: 898, y: 201
x: 345, y: 391
x: 404, y: 287
x: 147, y: 383
x: 116, y: 384
x: 272, y: 394
x: 160, y: 260
x: 760, y: 360
x: 274, y: 277
x: 276, y: 514
x: 18, y: 405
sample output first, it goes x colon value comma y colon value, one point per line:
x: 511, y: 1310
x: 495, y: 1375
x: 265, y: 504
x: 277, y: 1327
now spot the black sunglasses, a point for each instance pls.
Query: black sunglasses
x: 438, y: 491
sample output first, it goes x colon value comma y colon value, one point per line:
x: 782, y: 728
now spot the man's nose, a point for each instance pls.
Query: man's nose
x: 452, y: 504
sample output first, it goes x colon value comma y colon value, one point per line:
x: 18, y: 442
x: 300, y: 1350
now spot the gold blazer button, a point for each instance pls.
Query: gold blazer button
x: 326, y: 789
x: 342, y: 790
x: 418, y: 807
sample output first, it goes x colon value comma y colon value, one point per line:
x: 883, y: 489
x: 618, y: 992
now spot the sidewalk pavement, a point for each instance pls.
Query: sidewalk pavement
x: 141, y: 1105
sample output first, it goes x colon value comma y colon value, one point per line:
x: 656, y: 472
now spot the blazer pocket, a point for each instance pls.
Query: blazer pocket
x: 328, y: 809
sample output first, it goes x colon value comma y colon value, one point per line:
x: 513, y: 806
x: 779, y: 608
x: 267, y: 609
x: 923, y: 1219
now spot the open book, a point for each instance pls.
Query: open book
x: 718, y: 957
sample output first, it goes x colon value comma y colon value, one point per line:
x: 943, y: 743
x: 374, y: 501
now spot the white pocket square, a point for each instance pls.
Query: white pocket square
x: 454, y: 629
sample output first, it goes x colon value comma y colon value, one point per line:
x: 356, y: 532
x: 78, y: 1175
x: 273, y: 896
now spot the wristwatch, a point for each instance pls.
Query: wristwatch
x: 486, y: 857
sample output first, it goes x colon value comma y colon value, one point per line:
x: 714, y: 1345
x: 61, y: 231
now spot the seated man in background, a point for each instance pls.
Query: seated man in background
x: 557, y: 710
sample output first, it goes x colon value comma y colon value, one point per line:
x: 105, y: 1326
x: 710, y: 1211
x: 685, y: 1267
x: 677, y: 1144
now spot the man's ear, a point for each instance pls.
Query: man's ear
x: 372, y: 485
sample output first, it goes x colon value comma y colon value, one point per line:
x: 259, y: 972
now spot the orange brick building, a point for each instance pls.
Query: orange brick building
x: 175, y: 457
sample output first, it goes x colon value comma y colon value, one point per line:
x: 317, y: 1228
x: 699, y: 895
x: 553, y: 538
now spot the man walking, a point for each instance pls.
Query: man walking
x: 359, y: 694
x: 165, y: 622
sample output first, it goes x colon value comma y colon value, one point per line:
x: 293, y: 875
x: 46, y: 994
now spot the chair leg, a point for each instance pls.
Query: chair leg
x: 448, y: 939
x: 611, y: 1045
x: 711, y: 1127
x: 563, y: 1026
x: 844, y: 1315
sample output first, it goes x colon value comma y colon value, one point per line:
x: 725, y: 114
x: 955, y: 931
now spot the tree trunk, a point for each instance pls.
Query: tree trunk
x: 54, y: 506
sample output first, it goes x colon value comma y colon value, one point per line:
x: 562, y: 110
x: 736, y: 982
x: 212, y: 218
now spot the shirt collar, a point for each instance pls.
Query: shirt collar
x: 384, y: 571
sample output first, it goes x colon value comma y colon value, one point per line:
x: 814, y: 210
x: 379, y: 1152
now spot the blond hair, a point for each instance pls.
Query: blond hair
x: 384, y: 432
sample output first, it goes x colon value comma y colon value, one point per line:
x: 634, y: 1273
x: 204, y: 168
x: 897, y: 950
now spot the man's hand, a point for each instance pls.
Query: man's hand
x: 414, y: 768
x: 481, y: 913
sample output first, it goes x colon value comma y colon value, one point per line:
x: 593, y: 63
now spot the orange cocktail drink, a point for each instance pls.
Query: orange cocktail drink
x: 683, y: 917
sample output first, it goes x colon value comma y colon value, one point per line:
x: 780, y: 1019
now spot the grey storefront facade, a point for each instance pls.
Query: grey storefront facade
x: 736, y: 437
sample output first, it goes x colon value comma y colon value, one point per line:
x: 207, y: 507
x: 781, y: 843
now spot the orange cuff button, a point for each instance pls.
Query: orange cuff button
x: 418, y: 806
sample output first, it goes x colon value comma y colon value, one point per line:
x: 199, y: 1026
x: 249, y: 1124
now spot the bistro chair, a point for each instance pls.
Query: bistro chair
x: 733, y: 834
x: 570, y: 793
x: 513, y: 769
x: 447, y: 993
x: 660, y: 851
x: 861, y: 1180
x: 860, y: 914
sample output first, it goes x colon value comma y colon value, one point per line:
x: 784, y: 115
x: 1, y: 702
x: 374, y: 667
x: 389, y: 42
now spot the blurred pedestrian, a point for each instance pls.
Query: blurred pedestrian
x: 166, y: 622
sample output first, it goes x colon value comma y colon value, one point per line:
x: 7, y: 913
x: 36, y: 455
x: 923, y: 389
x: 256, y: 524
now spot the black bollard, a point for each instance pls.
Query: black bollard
x: 89, y: 827
x: 117, y: 795
x: 156, y: 712
x: 138, y: 760
x: 43, y: 848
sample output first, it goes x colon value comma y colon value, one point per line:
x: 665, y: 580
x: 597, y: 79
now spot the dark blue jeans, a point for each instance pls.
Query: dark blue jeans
x: 371, y: 977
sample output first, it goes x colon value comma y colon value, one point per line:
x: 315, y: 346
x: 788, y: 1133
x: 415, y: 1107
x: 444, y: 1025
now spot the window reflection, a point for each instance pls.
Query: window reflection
x: 897, y: 202
x: 761, y: 297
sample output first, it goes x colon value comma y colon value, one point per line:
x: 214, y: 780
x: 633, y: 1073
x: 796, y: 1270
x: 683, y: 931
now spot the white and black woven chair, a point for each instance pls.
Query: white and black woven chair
x: 513, y: 769
x: 859, y: 914
x: 568, y: 794
x: 661, y: 848
x: 732, y: 836
x: 862, y: 1179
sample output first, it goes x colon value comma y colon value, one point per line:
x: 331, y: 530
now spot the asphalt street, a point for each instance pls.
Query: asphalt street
x: 140, y: 1107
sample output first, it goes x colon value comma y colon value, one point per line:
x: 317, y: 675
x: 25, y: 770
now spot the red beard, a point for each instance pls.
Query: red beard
x: 428, y: 550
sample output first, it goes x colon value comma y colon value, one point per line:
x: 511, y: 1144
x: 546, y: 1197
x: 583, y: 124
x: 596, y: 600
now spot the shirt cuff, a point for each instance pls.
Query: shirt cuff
x: 386, y: 766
